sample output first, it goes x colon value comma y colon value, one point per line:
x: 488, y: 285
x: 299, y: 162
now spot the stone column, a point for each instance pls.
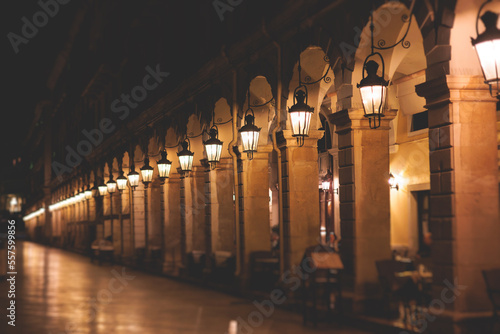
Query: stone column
x: 464, y: 216
x: 222, y: 206
x: 254, y: 210
x: 300, y: 196
x: 195, y: 209
x: 173, y: 242
x: 364, y: 199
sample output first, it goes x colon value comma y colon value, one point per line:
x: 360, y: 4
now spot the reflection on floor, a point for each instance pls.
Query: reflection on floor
x: 60, y: 292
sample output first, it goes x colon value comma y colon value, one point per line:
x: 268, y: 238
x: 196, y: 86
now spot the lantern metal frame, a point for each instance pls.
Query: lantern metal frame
x: 121, y: 181
x: 111, y: 185
x: 146, y: 173
x: 372, y: 79
x: 491, y: 33
x: 164, y: 173
x: 136, y: 178
x: 300, y: 99
x: 250, y: 127
x: 214, y: 140
x: 186, y: 152
x: 88, y: 192
x: 103, y: 189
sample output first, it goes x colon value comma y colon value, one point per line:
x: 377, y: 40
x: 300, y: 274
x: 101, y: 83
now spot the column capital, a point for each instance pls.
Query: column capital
x: 451, y: 88
x: 348, y: 119
x: 262, y: 152
x: 225, y: 163
x: 309, y: 141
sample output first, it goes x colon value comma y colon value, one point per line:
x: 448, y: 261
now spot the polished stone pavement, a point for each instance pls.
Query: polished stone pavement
x: 60, y: 292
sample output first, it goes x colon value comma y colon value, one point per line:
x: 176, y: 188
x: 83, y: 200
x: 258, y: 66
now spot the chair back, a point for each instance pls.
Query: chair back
x: 387, y: 270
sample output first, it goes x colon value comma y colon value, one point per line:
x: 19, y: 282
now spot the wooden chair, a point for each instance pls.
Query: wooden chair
x: 492, y: 280
x: 396, y: 290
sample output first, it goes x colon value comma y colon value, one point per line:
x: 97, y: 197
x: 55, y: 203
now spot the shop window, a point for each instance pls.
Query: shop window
x: 419, y: 121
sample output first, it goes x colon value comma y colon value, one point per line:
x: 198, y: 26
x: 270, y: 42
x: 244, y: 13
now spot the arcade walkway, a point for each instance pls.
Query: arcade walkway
x: 59, y: 292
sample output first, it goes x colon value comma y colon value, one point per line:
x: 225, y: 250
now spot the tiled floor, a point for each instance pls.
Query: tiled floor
x: 60, y: 293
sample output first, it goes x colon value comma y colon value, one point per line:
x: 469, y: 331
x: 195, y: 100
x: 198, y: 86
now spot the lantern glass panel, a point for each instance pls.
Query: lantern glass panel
x: 250, y: 140
x: 103, y: 190
x: 373, y: 98
x: 213, y: 152
x: 111, y: 186
x: 301, y: 120
x: 133, y: 179
x: 186, y: 162
x: 121, y: 182
x: 147, y: 175
x: 164, y: 170
x: 488, y: 53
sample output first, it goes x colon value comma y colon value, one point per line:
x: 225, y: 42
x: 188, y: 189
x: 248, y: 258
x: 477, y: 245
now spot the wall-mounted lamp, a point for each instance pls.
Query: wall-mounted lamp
x: 393, y: 183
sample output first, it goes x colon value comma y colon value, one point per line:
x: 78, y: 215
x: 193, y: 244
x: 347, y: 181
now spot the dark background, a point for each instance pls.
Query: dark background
x: 24, y: 74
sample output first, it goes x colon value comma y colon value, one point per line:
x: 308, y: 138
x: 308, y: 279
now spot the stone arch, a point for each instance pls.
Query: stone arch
x: 223, y: 121
x: 314, y: 64
x: 389, y: 27
x: 261, y: 102
x: 172, y: 142
x: 261, y: 68
x: 194, y: 131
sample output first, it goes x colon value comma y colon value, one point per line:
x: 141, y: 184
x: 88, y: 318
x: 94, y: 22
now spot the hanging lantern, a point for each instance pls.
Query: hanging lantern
x: 111, y: 185
x: 88, y: 192
x: 213, y: 146
x: 249, y: 134
x: 300, y: 115
x: 147, y: 172
x: 121, y: 182
x: 487, y: 45
x: 325, y: 185
x: 133, y: 179
x: 373, y: 90
x: 186, y: 156
x: 103, y: 189
x: 164, y: 166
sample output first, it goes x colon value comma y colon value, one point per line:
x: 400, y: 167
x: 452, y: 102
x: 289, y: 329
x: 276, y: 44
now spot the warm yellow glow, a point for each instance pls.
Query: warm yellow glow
x: 121, y: 183
x: 213, y: 152
x: 186, y: 162
x: 103, y: 190
x: 489, y: 57
x: 34, y: 214
x: 111, y: 187
x: 133, y: 179
x: 300, y: 122
x: 147, y: 175
x: 250, y: 140
x: 373, y: 98
x: 164, y: 170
